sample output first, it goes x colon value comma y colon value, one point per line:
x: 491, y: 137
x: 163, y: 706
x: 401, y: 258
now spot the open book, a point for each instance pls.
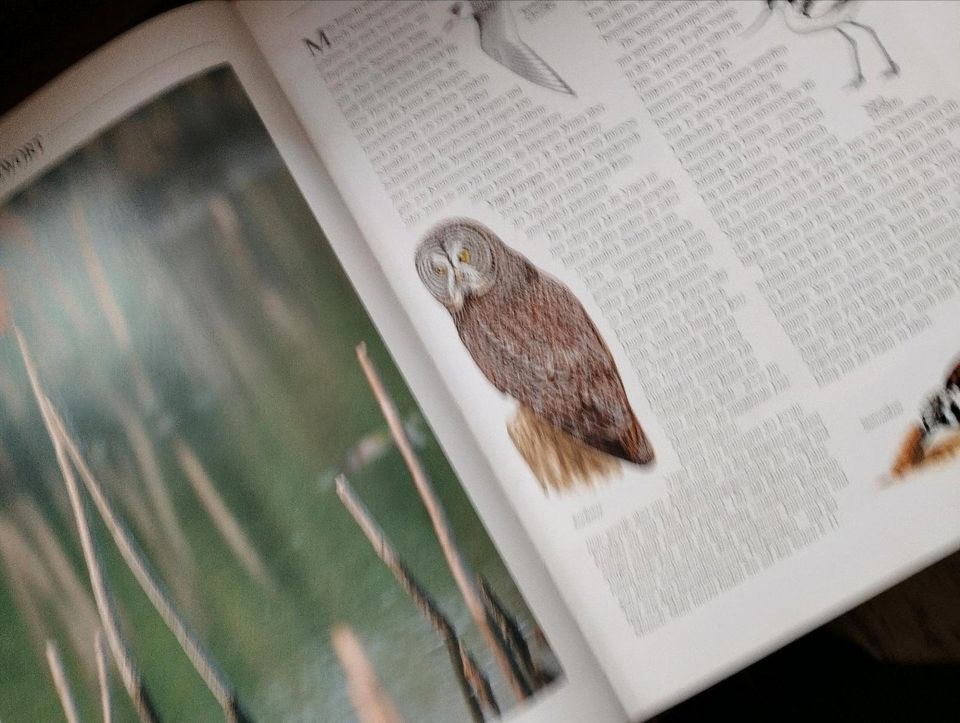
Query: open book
x: 671, y: 289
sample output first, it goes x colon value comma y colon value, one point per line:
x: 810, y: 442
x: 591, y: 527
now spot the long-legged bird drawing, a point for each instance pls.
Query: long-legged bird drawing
x: 812, y: 16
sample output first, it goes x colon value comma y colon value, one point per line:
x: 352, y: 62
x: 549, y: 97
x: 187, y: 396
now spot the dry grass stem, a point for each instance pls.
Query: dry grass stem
x: 129, y: 673
x: 4, y: 305
x: 60, y: 682
x: 146, y: 457
x: 22, y: 595
x: 110, y: 307
x: 473, y: 683
x: 202, y: 661
x: 74, y: 594
x: 24, y: 557
x: 462, y: 575
x: 223, y: 519
x: 36, y: 571
x: 69, y: 597
x: 103, y: 677
x: 370, y: 702
x: 511, y: 632
x: 16, y: 229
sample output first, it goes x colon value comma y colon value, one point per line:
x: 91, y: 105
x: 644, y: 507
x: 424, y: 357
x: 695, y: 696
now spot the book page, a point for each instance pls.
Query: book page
x: 690, y: 271
x: 185, y: 305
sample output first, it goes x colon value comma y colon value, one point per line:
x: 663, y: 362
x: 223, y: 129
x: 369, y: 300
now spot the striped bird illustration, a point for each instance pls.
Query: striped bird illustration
x: 812, y: 16
x: 500, y: 40
x: 937, y: 436
x: 942, y: 410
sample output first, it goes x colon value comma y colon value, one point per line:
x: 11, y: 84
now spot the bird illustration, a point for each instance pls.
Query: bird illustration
x: 500, y: 40
x: 811, y: 16
x: 534, y: 341
x: 937, y: 436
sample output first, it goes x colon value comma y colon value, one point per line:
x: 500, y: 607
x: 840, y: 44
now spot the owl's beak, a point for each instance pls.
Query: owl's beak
x: 455, y: 290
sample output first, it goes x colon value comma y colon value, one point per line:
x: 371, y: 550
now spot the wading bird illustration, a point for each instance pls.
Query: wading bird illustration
x: 500, y: 40
x: 813, y: 16
x: 534, y: 341
x: 937, y: 436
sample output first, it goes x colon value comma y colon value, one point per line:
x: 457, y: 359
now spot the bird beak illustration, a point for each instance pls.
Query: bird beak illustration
x: 761, y: 20
x: 455, y: 290
x: 455, y: 11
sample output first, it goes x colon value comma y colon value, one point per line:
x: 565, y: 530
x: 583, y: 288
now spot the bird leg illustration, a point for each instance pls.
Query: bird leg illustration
x: 500, y: 40
x: 893, y: 68
x: 858, y: 79
x: 805, y: 17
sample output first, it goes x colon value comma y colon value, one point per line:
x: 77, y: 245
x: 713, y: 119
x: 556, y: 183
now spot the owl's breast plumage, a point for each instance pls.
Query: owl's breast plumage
x: 535, y: 342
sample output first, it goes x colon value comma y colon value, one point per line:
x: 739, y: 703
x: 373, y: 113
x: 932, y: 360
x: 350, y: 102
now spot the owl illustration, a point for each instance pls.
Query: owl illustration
x: 534, y: 341
x: 936, y: 437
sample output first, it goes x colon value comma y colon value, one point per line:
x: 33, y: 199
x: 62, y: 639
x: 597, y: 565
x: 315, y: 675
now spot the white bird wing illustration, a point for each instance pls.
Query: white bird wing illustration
x: 499, y: 39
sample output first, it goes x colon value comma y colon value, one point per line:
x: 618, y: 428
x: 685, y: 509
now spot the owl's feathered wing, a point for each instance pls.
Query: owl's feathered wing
x: 540, y: 347
x: 499, y: 40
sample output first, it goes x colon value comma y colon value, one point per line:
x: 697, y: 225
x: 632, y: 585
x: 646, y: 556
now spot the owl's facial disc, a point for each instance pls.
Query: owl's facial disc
x: 456, y: 262
x: 448, y: 281
x: 471, y: 262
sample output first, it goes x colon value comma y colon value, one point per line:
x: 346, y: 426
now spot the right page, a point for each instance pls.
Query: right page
x: 691, y: 270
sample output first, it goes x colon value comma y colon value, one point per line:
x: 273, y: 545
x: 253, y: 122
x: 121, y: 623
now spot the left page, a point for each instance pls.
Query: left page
x: 179, y: 389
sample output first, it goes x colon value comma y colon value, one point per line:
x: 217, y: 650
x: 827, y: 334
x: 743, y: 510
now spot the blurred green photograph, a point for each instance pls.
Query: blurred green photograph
x: 218, y: 497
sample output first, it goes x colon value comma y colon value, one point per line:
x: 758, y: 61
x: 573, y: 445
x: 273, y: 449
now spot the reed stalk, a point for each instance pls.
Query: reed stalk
x: 35, y: 572
x: 103, y: 678
x: 226, y: 524
x: 147, y: 460
x: 15, y: 228
x: 129, y: 673
x: 54, y: 577
x: 459, y: 569
x: 110, y: 307
x: 79, y: 608
x: 471, y: 679
x: 510, y: 631
x: 21, y: 588
x: 370, y: 701
x: 202, y: 661
x: 60, y: 682
x: 4, y: 306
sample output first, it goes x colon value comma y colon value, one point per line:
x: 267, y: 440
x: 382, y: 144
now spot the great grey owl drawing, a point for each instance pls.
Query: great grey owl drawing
x: 534, y: 341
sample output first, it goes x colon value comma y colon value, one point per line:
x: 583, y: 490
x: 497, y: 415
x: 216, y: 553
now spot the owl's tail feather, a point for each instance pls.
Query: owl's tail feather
x: 634, y: 445
x: 558, y: 461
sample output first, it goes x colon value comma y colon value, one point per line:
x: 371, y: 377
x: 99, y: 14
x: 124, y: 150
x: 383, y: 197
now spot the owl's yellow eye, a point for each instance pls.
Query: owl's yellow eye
x: 441, y: 270
x: 464, y: 256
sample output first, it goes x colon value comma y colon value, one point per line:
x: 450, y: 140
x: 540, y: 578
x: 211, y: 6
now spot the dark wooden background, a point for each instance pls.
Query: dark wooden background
x: 895, y: 657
